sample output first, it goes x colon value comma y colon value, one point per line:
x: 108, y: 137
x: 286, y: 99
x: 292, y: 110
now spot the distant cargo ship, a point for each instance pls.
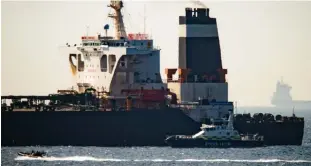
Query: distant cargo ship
x: 120, y: 98
x: 282, y: 98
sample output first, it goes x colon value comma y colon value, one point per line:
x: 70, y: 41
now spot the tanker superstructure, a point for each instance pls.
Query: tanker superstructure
x: 120, y: 62
x: 120, y: 98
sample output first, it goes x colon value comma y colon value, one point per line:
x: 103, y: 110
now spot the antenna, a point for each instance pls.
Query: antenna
x: 87, y: 30
x: 144, y: 18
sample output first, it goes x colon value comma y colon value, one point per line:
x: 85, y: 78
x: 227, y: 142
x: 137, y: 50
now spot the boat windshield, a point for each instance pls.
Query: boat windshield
x: 198, y: 134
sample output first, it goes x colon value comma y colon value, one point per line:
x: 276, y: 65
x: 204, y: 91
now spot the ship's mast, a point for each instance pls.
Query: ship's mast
x: 117, y: 5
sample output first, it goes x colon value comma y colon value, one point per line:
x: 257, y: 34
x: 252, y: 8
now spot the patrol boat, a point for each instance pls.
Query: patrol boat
x: 216, y: 136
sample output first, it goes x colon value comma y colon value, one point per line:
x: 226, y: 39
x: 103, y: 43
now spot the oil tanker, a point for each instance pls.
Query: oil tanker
x: 120, y: 98
x: 282, y: 98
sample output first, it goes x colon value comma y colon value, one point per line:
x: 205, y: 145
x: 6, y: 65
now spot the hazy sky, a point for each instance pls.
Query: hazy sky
x: 260, y: 42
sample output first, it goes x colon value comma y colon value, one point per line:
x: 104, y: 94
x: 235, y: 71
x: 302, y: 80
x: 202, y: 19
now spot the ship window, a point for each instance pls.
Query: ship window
x: 142, y: 43
x: 103, y: 63
x: 228, y: 133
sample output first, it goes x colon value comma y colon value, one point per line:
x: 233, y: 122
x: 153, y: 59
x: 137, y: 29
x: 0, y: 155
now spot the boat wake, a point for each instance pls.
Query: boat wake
x: 89, y: 158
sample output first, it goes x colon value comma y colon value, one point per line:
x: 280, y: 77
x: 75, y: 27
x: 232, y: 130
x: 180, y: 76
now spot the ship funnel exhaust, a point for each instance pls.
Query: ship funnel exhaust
x: 199, y: 48
x: 199, y: 3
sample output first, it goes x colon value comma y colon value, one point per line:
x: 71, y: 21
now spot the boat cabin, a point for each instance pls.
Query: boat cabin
x: 217, y: 132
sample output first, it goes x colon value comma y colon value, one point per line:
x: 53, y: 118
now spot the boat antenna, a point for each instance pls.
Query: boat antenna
x: 236, y: 107
x: 294, y: 111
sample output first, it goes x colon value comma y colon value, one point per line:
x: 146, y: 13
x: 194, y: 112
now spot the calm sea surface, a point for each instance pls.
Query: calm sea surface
x: 274, y: 155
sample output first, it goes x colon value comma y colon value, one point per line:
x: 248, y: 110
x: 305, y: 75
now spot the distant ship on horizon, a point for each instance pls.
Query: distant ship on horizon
x: 282, y: 98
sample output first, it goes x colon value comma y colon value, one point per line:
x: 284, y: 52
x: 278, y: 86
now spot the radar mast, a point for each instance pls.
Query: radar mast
x: 120, y: 32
